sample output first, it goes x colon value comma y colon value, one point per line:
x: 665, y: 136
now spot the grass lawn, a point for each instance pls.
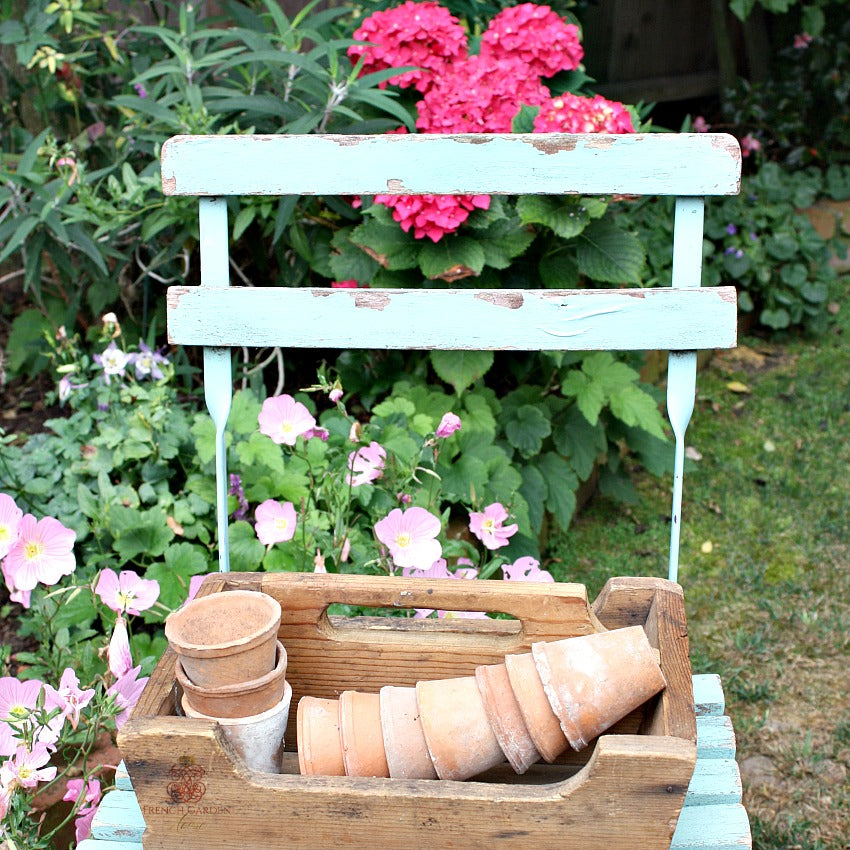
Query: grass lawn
x: 765, y: 563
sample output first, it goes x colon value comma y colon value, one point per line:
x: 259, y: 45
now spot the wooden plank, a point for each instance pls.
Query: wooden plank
x: 122, y: 778
x: 715, y: 738
x: 481, y: 163
x: 712, y: 828
x: 118, y: 818
x: 709, y: 699
x: 527, y: 320
x: 715, y: 782
x: 108, y: 844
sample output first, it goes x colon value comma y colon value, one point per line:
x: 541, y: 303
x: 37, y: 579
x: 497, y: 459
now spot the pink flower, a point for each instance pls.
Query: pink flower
x: 87, y: 794
x: 432, y: 215
x: 26, y: 769
x: 335, y: 394
x: 345, y: 551
x: 9, y: 742
x: 284, y: 419
x: 802, y: 40
x: 344, y: 284
x: 275, y: 522
x: 448, y: 425
x: 69, y: 697
x: 10, y: 521
x: 43, y: 553
x: 572, y: 113
x: 535, y: 34
x: 749, y: 144
x: 320, y: 433
x: 701, y: 125
x: 194, y: 586
x: 15, y: 594
x: 424, y: 35
x: 439, y: 569
x: 409, y: 536
x: 126, y: 692
x: 487, y: 526
x: 18, y: 699
x: 118, y: 651
x: 127, y: 593
x: 366, y: 463
x: 525, y: 569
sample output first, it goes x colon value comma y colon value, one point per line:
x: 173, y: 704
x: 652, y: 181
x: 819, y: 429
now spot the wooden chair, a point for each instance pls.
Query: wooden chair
x: 682, y: 319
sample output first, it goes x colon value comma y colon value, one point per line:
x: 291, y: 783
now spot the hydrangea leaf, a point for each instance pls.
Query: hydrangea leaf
x: 451, y: 256
x: 567, y: 217
x: 503, y: 241
x: 349, y: 261
x: 388, y: 244
x: 559, y: 270
x: 605, y: 252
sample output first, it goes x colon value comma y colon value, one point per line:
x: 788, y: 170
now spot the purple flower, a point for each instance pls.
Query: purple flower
x: 141, y: 91
x: 113, y: 360
x: 238, y: 491
x: 753, y: 237
x: 147, y: 362
x: 731, y: 229
x: 729, y: 250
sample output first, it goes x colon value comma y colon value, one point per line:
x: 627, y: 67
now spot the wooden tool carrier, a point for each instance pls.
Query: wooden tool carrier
x: 624, y: 791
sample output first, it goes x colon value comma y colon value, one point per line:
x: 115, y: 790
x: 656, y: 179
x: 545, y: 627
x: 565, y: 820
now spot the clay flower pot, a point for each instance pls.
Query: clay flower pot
x: 457, y: 732
x: 505, y: 717
x: 225, y: 638
x: 361, y: 736
x: 541, y: 722
x: 257, y: 739
x: 242, y: 699
x: 594, y: 680
x: 404, y: 741
x: 319, y: 744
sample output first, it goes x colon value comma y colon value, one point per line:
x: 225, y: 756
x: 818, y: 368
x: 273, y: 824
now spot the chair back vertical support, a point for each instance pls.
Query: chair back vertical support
x: 218, y: 383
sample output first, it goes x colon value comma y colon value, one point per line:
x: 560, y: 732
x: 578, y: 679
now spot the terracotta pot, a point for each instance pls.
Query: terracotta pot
x: 404, y: 741
x: 257, y: 739
x: 541, y: 722
x: 505, y: 717
x: 240, y: 700
x: 360, y: 730
x: 457, y: 732
x: 594, y: 680
x: 225, y: 638
x: 319, y: 744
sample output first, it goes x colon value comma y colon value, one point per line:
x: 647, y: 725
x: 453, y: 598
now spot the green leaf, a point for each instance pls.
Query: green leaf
x: 25, y: 346
x: 636, y: 407
x: 561, y: 484
x: 782, y: 246
x: 566, y: 216
x: 243, y: 220
x: 387, y: 243
x: 466, y: 474
x: 504, y: 240
x: 580, y: 441
x: 615, y: 485
x: 259, y: 450
x: 477, y: 416
x: 526, y: 429
x: 559, y: 270
x: 523, y: 121
x: 451, y: 257
x: 606, y: 253
x: 461, y: 369
x: 349, y: 261
x: 534, y: 491
x: 182, y: 561
x: 393, y: 405
x: 246, y: 552
x: 776, y: 319
x: 815, y: 293
x: 139, y: 533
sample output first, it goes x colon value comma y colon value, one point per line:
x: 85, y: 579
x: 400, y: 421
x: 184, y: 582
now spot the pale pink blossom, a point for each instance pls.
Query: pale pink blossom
x: 118, y: 651
x: 366, y: 463
x: 68, y: 697
x: 448, y: 425
x: 126, y: 593
x: 194, y: 586
x: 749, y: 144
x: 22, y: 597
x: 10, y: 521
x: 320, y: 433
x: 335, y: 394
x: 701, y: 125
x: 9, y: 742
x: 5, y: 800
x: 18, y: 699
x: 572, y: 113
x: 319, y: 562
x: 284, y: 419
x: 113, y: 360
x: 525, y: 569
x: 410, y: 537
x: 488, y: 526
x: 345, y: 551
x: 802, y: 40
x: 275, y: 522
x: 44, y: 552
x: 27, y: 768
x: 126, y: 692
x: 87, y: 795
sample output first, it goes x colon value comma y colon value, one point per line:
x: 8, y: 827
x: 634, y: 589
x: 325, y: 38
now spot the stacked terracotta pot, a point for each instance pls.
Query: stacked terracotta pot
x: 562, y: 694
x: 231, y: 668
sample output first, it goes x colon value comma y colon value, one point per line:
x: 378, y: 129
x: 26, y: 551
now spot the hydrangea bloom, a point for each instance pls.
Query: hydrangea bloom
x: 448, y: 425
x: 88, y: 795
x: 525, y: 569
x: 366, y: 463
x: 10, y: 521
x: 126, y: 593
x: 432, y: 215
x: 424, y: 35
x: 488, y: 526
x: 44, y: 552
x: 283, y: 419
x: 410, y: 537
x: 68, y: 697
x: 536, y: 35
x: 113, y: 360
x: 275, y: 522
x: 572, y: 113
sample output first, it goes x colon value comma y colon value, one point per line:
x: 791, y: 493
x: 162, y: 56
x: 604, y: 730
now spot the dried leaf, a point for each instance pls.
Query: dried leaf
x: 738, y: 387
x: 692, y: 454
x: 174, y: 526
x: 707, y: 547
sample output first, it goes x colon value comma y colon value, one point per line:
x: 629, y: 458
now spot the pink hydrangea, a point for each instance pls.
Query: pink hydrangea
x: 432, y: 215
x: 535, y: 34
x: 344, y: 284
x: 572, y: 113
x: 87, y: 794
x: 424, y: 35
x: 448, y: 425
x: 525, y: 569
x: 284, y: 419
x: 43, y: 552
x: 410, y: 537
x: 482, y: 94
x: 366, y: 464
x: 488, y: 526
x: 126, y: 593
x: 275, y: 522
x: 10, y: 521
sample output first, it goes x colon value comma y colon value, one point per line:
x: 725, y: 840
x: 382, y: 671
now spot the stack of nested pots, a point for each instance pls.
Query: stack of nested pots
x: 231, y: 667
x: 562, y: 694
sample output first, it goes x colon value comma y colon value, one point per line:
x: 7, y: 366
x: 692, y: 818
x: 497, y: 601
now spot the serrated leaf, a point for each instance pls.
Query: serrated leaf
x: 246, y: 552
x: 139, y: 533
x: 561, y: 484
x: 349, y: 261
x: 636, y: 407
x: 589, y: 395
x: 612, y: 374
x: 450, y: 257
x: 259, y: 450
x: 477, y: 416
x: 388, y: 244
x: 182, y: 561
x: 503, y: 241
x: 523, y: 121
x: 535, y: 492
x: 466, y: 475
x: 461, y: 369
x: 559, y: 270
x: 605, y: 252
x: 565, y: 216
x: 526, y: 429
x: 575, y: 438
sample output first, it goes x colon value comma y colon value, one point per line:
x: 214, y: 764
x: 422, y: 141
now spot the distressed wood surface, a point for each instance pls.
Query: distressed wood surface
x: 713, y: 828
x: 480, y: 163
x: 462, y: 319
x: 709, y: 699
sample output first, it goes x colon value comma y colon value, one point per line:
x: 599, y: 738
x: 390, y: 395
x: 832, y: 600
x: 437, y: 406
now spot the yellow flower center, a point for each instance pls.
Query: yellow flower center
x: 286, y: 427
x: 33, y: 550
x: 403, y: 539
x: 25, y: 771
x: 5, y: 533
x: 18, y: 712
x: 489, y: 526
x: 281, y: 523
x: 125, y: 598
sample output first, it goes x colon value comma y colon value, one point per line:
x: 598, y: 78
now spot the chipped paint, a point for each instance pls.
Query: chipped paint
x: 395, y: 185
x: 169, y: 185
x: 511, y: 300
x: 372, y: 300
x: 551, y: 146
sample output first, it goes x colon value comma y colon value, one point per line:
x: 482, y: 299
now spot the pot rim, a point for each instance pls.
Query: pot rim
x: 239, y: 688
x: 282, y: 706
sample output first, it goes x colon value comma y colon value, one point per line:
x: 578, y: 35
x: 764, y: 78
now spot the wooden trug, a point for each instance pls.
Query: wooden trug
x: 628, y: 786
